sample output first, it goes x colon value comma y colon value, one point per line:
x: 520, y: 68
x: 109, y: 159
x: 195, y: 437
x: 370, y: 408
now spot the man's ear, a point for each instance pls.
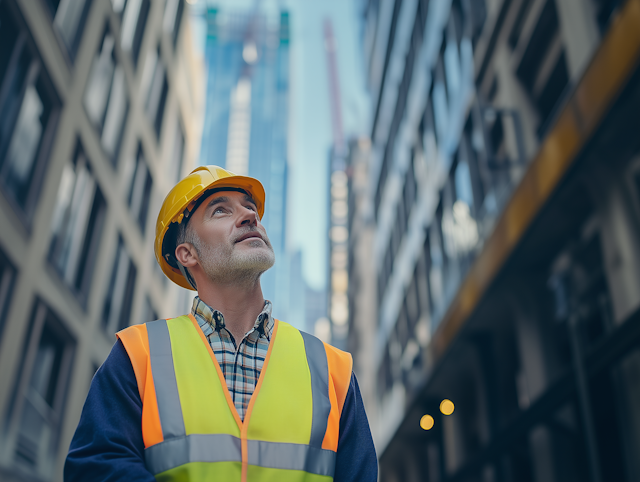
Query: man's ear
x: 187, y: 255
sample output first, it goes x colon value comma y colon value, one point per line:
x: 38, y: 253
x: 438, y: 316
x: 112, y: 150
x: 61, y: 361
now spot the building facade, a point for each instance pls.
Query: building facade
x: 246, y: 123
x: 500, y: 210
x: 99, y: 104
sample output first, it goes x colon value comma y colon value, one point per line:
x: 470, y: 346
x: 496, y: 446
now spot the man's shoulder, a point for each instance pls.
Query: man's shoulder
x: 142, y: 327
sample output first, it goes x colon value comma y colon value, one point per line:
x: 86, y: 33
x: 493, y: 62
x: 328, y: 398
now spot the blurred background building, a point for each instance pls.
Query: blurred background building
x: 101, y: 113
x: 494, y: 226
x: 247, y: 123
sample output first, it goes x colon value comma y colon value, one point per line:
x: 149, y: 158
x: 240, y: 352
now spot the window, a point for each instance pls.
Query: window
x: 471, y: 154
x: 140, y: 190
x: 421, y: 276
x: 436, y: 271
x: 410, y: 189
x: 117, y: 304
x: 154, y: 76
x: 69, y: 17
x: 428, y: 131
x: 399, y: 228
x: 29, y: 110
x: 134, y: 21
x: 439, y: 99
x: 401, y: 327
x: 477, y: 15
x: 35, y: 420
x: 382, y: 180
x: 7, y: 279
x: 451, y: 54
x: 105, y: 96
x: 463, y: 228
x: 173, y: 11
x: 385, y: 270
x: 177, y: 156
x: 76, y: 225
x: 412, y: 302
x: 543, y: 69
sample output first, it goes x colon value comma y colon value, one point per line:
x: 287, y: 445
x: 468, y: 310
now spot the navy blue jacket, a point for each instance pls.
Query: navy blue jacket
x: 108, y: 446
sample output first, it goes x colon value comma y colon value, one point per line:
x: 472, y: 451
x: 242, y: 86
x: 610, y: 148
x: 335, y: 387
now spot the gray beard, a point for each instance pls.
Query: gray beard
x: 223, y: 264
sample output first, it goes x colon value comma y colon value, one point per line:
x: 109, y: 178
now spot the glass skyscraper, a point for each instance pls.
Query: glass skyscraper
x: 246, y: 120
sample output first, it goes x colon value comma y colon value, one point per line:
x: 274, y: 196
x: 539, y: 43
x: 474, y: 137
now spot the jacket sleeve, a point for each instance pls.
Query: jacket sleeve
x: 108, y: 445
x: 356, y: 459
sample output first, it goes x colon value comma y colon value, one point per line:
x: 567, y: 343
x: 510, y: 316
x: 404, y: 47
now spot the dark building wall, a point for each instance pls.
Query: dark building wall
x: 505, y: 240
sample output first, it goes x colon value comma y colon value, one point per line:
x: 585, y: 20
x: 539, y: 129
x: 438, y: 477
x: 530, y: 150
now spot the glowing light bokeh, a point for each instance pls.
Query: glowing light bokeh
x: 447, y: 407
x: 426, y: 422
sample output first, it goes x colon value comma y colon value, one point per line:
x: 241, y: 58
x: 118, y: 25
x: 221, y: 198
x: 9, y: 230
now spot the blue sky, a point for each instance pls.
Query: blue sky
x: 311, y: 135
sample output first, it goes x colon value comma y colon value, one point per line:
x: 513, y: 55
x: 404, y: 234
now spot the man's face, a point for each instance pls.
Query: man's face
x: 231, y: 243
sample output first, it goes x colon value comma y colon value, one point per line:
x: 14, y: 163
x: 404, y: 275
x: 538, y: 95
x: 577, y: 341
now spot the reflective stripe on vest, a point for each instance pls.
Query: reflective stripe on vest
x: 283, y: 434
x: 226, y: 448
x: 166, y: 387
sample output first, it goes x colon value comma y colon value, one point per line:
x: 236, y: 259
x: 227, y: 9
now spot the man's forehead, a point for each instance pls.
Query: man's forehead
x: 224, y: 195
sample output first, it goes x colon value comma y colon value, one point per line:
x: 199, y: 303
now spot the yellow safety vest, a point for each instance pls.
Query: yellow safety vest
x: 191, y: 429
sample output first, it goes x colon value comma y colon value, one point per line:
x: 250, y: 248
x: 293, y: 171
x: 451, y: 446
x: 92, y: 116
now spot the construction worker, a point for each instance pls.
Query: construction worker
x: 227, y: 392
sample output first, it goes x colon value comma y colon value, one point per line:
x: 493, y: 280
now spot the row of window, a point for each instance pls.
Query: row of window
x: 30, y: 105
x: 464, y: 215
x: 30, y: 108
x: 481, y: 177
x: 69, y: 17
x: 584, y: 284
x: 26, y: 133
x: 465, y: 23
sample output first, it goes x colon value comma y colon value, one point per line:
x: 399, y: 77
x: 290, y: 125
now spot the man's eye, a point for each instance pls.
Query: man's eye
x: 218, y: 210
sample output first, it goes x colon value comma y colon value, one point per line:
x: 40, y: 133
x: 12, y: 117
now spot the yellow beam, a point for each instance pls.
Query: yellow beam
x: 609, y: 69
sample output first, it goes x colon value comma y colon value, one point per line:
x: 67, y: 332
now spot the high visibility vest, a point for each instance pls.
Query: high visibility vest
x: 191, y: 429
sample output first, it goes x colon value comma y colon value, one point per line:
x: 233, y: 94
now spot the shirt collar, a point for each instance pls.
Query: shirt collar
x: 211, y: 320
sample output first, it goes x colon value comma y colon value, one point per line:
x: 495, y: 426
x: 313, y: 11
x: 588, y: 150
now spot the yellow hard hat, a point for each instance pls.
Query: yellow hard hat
x: 181, y: 203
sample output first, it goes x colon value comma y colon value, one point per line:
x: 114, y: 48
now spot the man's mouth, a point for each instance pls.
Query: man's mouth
x: 250, y: 234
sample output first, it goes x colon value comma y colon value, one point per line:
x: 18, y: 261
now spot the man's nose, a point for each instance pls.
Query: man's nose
x: 248, y: 217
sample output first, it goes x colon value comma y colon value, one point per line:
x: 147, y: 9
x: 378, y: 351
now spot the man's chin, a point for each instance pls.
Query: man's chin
x: 261, y: 258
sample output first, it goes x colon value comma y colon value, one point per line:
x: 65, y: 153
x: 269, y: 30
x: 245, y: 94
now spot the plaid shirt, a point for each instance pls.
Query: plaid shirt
x: 240, y: 365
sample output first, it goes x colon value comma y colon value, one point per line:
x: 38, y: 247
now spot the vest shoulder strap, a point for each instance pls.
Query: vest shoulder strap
x: 136, y: 342
x: 340, y: 368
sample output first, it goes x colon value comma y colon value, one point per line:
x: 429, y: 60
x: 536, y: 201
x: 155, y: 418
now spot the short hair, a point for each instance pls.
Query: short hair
x: 186, y: 234
x: 181, y: 236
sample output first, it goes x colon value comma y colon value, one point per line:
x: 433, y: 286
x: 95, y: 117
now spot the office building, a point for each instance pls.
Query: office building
x: 501, y: 212
x: 100, y: 102
x: 246, y: 121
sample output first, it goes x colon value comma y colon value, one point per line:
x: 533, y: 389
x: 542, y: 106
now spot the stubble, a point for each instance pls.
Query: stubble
x: 224, y: 263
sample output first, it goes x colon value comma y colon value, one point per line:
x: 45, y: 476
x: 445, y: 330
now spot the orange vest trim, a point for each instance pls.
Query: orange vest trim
x: 136, y: 342
x: 340, y: 366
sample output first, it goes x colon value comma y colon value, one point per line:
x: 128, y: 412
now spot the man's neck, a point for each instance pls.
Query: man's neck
x: 240, y: 305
